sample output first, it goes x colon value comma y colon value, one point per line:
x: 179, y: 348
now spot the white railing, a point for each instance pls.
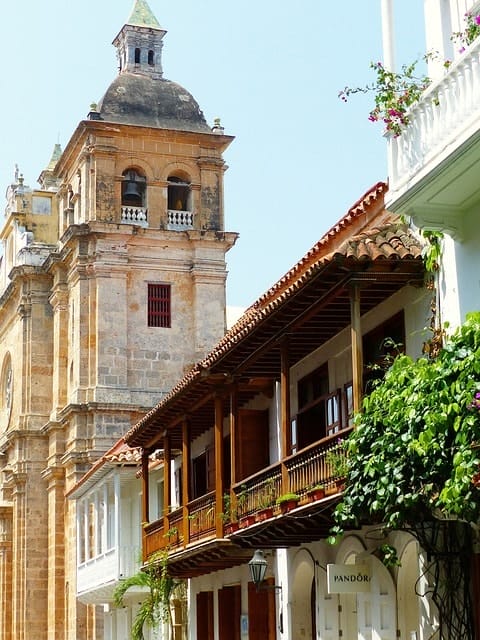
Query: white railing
x: 179, y: 220
x: 447, y: 115
x: 134, y: 215
x: 108, y: 567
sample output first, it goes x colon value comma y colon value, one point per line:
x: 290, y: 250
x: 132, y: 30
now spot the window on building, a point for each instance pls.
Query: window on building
x: 311, y: 423
x: 321, y: 412
x: 347, y: 411
x: 133, y: 189
x: 81, y: 543
x: 203, y: 473
x: 111, y: 533
x: 159, y: 305
x: 151, y: 58
x: 137, y: 56
x: 179, y: 194
x: 381, y: 345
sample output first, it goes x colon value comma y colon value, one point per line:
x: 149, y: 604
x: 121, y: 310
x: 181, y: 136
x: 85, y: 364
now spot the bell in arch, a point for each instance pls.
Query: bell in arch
x: 132, y: 192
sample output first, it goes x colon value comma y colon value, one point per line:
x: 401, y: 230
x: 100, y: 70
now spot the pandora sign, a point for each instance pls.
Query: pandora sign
x: 348, y: 578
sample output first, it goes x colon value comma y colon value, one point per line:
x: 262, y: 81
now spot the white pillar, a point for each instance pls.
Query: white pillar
x: 388, y: 39
x: 438, y: 31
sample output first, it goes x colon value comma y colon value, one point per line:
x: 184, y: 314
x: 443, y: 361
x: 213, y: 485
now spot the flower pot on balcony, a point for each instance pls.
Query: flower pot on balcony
x: 264, y: 514
x: 287, y: 502
x: 247, y: 521
x: 231, y: 527
x: 336, y: 487
x: 316, y: 493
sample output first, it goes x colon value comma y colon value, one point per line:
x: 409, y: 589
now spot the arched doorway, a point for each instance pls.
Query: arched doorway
x: 303, y: 590
x: 358, y: 616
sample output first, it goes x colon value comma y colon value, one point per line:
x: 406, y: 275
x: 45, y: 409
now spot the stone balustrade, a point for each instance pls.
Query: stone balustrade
x: 134, y: 215
x: 446, y: 117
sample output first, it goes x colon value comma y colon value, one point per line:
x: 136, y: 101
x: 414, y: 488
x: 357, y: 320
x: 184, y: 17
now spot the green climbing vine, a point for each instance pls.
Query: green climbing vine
x: 161, y: 590
x: 412, y: 451
x: 414, y: 463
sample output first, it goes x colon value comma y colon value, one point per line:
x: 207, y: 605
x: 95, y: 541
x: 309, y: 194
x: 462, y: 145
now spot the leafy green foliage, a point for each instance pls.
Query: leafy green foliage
x: 159, y: 587
x: 432, y: 251
x: 412, y: 456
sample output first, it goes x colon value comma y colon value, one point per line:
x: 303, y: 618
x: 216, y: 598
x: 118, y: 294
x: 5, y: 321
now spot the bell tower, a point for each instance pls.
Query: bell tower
x: 121, y: 288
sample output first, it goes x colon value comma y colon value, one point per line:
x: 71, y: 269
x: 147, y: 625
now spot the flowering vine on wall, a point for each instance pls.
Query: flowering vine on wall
x: 394, y: 93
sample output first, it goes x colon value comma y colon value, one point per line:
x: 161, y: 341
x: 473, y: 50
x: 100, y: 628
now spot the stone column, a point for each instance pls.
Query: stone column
x: 59, y: 302
x: 6, y: 571
x: 54, y: 476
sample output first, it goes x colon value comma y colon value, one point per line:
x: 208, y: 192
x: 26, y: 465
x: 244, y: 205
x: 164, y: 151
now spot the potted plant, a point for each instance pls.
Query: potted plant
x: 337, y: 462
x: 266, y: 500
x: 316, y: 492
x: 287, y: 501
x: 172, y: 536
x: 229, y: 515
x: 246, y: 518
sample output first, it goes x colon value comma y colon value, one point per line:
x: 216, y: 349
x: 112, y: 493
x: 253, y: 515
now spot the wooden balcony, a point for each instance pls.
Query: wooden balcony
x: 256, y: 517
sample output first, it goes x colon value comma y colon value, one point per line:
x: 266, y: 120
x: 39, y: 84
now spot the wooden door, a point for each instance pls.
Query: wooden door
x: 229, y: 611
x: 205, y: 615
x: 252, y: 443
x: 261, y: 613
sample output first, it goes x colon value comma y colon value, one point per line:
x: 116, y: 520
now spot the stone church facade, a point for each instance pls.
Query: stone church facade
x: 112, y: 283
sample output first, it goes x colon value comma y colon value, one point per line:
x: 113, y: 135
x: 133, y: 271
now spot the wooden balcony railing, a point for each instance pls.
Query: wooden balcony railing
x: 311, y: 466
x: 304, y: 470
x: 258, y: 491
x: 201, y: 517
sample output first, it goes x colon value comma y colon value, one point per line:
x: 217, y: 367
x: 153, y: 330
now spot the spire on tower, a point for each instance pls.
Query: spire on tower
x: 139, y: 43
x: 142, y: 16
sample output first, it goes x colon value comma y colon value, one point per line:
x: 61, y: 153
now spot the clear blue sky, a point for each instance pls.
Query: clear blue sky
x: 271, y: 70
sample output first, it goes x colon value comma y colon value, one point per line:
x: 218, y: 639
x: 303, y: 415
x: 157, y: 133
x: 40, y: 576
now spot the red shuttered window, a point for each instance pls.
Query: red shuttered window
x: 159, y: 305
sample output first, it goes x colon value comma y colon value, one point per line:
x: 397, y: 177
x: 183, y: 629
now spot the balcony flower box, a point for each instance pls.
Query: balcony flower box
x: 287, y: 502
x: 316, y: 493
x: 247, y: 521
x: 231, y: 527
x: 264, y: 514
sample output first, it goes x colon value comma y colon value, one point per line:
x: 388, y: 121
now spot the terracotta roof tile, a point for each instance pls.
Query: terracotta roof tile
x: 388, y: 240
x: 121, y: 454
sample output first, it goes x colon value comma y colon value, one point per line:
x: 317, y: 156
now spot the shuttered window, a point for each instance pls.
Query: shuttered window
x: 159, y: 305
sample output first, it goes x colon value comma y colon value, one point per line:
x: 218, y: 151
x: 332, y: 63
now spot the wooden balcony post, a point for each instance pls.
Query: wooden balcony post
x: 145, y: 498
x: 357, y: 349
x: 145, y: 487
x: 233, y: 448
x: 166, y: 482
x: 285, y: 426
x: 233, y: 433
x: 186, y: 478
x: 219, y: 488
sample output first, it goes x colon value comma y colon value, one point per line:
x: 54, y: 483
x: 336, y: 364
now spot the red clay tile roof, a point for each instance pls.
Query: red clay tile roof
x: 121, y: 454
x: 372, y: 202
x: 388, y: 240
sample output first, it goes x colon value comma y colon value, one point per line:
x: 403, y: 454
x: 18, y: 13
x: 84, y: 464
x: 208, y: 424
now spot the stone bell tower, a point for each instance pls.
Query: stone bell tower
x: 116, y: 288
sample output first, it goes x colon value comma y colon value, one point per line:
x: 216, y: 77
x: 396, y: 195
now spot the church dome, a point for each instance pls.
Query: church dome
x: 149, y: 101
